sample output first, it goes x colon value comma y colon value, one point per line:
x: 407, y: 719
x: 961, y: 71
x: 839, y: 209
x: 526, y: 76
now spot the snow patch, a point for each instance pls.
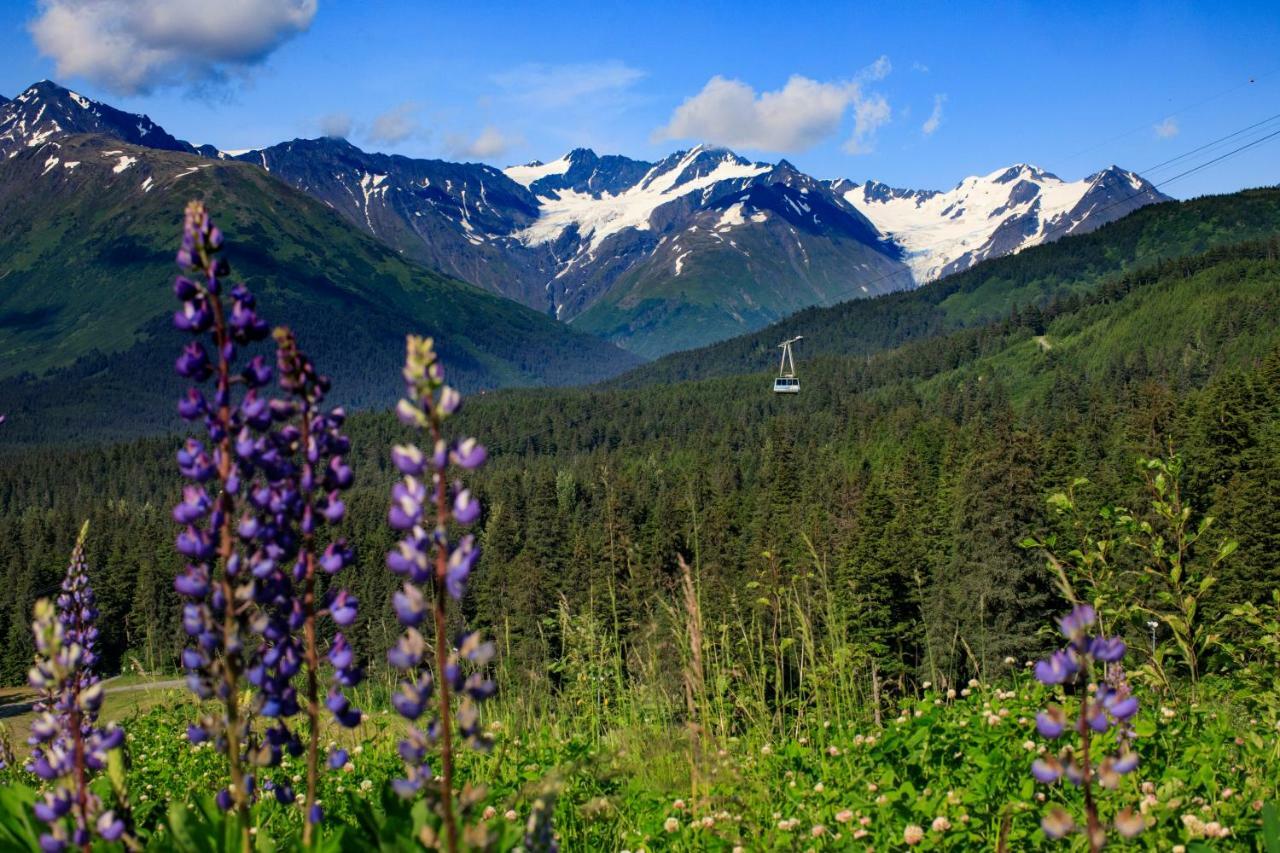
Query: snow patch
x: 939, y: 228
x: 123, y: 163
x: 598, y: 218
x: 526, y: 175
x: 732, y: 216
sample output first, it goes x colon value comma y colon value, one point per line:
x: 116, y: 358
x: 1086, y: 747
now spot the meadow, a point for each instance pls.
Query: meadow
x: 617, y: 766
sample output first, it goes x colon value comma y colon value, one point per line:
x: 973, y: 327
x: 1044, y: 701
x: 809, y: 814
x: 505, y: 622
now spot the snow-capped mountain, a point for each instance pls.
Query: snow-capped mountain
x: 622, y: 232
x: 699, y: 246
x: 598, y: 241
x: 48, y: 111
x: 997, y: 214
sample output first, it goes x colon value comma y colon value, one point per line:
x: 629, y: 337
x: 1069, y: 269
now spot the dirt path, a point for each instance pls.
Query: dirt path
x: 26, y: 701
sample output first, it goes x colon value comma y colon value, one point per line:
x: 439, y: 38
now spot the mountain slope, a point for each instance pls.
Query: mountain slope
x: 455, y: 217
x: 84, y: 295
x: 990, y: 290
x: 996, y: 214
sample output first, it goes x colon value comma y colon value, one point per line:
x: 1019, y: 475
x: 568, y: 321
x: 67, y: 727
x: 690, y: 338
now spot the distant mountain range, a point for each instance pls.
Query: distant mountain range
x: 993, y: 215
x: 700, y: 246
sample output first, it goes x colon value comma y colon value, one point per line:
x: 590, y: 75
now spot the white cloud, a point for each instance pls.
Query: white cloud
x: 551, y: 86
x: 869, y: 115
x: 796, y: 117
x: 489, y: 144
x: 1166, y: 129
x: 131, y: 46
x: 935, y: 118
x: 920, y: 67
x: 877, y: 70
x: 336, y: 125
x: 395, y: 125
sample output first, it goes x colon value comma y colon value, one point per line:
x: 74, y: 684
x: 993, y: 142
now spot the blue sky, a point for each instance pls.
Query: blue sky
x: 845, y: 92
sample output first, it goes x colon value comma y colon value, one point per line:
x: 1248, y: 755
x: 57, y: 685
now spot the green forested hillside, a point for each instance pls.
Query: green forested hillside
x: 1035, y: 279
x: 907, y: 477
x: 85, y: 292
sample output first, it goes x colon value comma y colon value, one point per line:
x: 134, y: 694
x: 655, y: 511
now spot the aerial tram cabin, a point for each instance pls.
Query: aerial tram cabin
x: 787, y: 382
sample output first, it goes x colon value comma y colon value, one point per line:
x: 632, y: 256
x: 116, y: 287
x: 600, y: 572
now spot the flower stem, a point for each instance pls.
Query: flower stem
x: 226, y: 546
x: 313, y: 655
x: 82, y: 787
x: 446, y: 723
x: 1093, y: 828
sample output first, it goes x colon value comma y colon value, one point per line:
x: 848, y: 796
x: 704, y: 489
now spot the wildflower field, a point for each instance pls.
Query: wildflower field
x: 954, y: 771
x: 1138, y: 718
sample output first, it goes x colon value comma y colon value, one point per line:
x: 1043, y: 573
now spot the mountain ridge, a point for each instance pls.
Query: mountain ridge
x: 699, y: 246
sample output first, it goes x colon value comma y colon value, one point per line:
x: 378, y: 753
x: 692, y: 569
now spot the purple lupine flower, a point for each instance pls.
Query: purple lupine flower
x: 1106, y: 704
x: 424, y: 555
x: 1046, y: 770
x: 1107, y: 649
x: 280, y: 472
x: 1056, y: 668
x: 217, y: 659
x: 68, y: 745
x: 1075, y: 623
x: 1051, y: 722
x: 310, y: 487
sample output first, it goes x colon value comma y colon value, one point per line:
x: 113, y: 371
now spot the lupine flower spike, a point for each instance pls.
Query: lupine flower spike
x: 318, y: 480
x: 1107, y: 705
x: 68, y: 745
x: 227, y: 553
x: 254, y: 549
x: 427, y: 558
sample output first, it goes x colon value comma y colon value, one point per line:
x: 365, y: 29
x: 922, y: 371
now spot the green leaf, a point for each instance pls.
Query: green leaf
x: 1270, y: 828
x: 17, y: 827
